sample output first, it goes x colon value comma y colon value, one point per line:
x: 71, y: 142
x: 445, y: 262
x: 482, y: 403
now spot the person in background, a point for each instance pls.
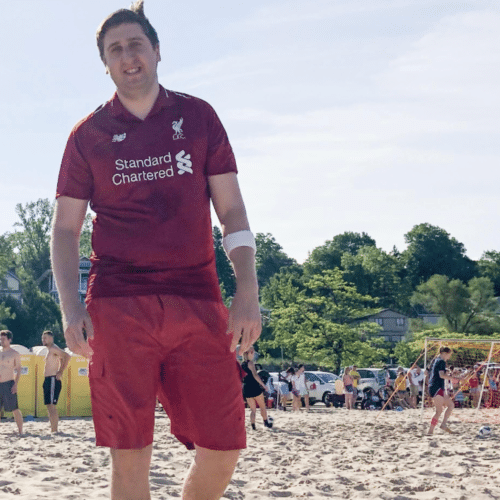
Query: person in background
x: 56, y: 361
x: 300, y: 388
x: 10, y: 373
x: 253, y: 389
x: 286, y: 386
x: 400, y: 388
x: 416, y: 380
x: 348, y: 388
x: 439, y: 397
x: 355, y: 380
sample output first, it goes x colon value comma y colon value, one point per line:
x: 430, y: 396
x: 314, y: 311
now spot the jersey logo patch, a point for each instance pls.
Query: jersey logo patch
x: 184, y: 162
x: 176, y: 125
x: 119, y: 137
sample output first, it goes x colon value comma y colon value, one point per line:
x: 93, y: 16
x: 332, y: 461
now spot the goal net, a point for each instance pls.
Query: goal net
x: 475, y: 364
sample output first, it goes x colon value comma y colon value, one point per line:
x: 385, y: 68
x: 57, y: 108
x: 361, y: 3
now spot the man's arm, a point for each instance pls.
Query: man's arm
x: 244, y: 313
x: 67, y: 224
x: 64, y: 359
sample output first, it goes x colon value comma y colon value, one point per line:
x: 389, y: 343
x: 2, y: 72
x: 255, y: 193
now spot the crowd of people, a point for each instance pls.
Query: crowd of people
x: 440, y: 386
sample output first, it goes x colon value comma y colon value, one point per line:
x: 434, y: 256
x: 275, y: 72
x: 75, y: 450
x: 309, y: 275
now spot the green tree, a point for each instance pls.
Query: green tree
x: 31, y: 242
x: 270, y: 258
x: 431, y: 250
x: 36, y: 313
x: 6, y: 255
x: 6, y: 314
x: 489, y: 267
x: 322, y: 322
x: 465, y: 308
x: 224, y: 269
x: 329, y: 255
x: 374, y: 272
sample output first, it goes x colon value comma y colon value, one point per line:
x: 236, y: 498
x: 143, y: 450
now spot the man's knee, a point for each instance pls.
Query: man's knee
x: 128, y: 463
x: 221, y: 461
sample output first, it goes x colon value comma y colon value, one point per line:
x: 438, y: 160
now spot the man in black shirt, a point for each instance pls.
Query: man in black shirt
x: 437, y: 376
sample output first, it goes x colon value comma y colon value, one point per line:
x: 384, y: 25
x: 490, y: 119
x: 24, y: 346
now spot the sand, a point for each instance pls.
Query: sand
x: 327, y: 453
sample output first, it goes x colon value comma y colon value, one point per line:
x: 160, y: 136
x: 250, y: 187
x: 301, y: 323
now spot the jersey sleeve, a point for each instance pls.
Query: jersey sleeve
x: 75, y: 176
x: 220, y: 156
x: 441, y: 366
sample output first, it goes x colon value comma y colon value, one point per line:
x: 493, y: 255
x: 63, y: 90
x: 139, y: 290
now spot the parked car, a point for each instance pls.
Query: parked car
x: 320, y: 385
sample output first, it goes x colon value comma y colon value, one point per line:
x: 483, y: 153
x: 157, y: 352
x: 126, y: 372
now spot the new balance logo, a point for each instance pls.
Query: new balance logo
x: 177, y: 129
x: 119, y: 137
x: 184, y: 162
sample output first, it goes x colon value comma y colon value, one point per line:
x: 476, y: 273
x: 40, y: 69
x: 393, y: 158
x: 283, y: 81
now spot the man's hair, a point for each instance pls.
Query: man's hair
x: 48, y: 332
x: 134, y: 15
x: 444, y: 349
x: 300, y: 366
x: 7, y: 333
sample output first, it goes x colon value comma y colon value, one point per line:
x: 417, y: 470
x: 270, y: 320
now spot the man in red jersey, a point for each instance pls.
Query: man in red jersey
x: 149, y: 161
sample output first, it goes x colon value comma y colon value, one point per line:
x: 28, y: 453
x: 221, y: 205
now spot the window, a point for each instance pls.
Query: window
x: 380, y: 321
x: 83, y: 282
x: 400, y: 322
x: 310, y: 377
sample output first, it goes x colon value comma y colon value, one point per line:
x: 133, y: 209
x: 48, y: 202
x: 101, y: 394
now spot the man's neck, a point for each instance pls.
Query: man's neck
x: 140, y: 103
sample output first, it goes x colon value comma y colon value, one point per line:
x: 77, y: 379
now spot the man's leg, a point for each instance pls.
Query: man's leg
x: 53, y: 417
x: 130, y: 474
x: 438, y: 402
x: 448, y: 402
x: 262, y: 406
x: 253, y: 409
x: 18, y: 417
x: 306, y: 399
x: 209, y: 474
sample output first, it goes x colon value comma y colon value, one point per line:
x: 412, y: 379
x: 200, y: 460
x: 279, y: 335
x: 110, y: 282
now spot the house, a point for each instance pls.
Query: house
x: 10, y: 286
x: 83, y: 276
x: 394, y: 324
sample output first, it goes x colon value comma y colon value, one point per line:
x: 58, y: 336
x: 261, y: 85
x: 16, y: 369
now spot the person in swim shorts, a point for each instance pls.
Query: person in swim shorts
x: 10, y: 373
x: 150, y: 161
x: 56, y: 361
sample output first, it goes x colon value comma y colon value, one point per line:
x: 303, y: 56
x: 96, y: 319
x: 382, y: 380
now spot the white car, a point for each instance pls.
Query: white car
x: 320, y: 384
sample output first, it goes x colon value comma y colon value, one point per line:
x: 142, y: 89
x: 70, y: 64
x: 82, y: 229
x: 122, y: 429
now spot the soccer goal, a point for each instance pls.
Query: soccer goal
x: 475, y: 390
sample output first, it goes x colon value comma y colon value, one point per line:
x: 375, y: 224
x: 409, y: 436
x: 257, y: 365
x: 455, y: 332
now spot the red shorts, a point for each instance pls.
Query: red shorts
x: 172, y: 348
x: 439, y: 392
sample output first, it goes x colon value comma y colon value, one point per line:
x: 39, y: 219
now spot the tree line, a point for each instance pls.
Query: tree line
x: 314, y: 312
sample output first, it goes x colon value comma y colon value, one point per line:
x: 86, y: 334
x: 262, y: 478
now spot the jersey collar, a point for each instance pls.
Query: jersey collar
x: 118, y: 109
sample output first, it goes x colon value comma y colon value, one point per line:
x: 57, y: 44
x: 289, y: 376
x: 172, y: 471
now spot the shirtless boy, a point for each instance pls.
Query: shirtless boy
x: 10, y: 373
x: 56, y: 362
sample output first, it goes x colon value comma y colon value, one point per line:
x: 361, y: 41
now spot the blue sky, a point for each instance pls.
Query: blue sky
x: 352, y: 115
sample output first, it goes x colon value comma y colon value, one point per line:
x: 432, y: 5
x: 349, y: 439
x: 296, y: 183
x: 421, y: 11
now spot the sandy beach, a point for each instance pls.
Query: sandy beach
x: 327, y: 453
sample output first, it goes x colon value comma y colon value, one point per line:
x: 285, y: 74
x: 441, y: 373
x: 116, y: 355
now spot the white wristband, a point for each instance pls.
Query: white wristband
x: 239, y: 239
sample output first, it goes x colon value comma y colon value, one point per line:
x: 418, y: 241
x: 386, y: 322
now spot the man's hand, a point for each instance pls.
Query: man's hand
x: 244, y: 320
x: 58, y: 376
x: 14, y: 388
x: 76, y: 321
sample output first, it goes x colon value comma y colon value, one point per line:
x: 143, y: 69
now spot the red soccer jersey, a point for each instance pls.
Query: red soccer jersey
x: 147, y: 182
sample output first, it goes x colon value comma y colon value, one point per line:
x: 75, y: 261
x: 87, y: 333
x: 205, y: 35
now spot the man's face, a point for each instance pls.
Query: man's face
x: 130, y: 58
x: 446, y: 355
x: 4, y: 341
x: 46, y: 339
